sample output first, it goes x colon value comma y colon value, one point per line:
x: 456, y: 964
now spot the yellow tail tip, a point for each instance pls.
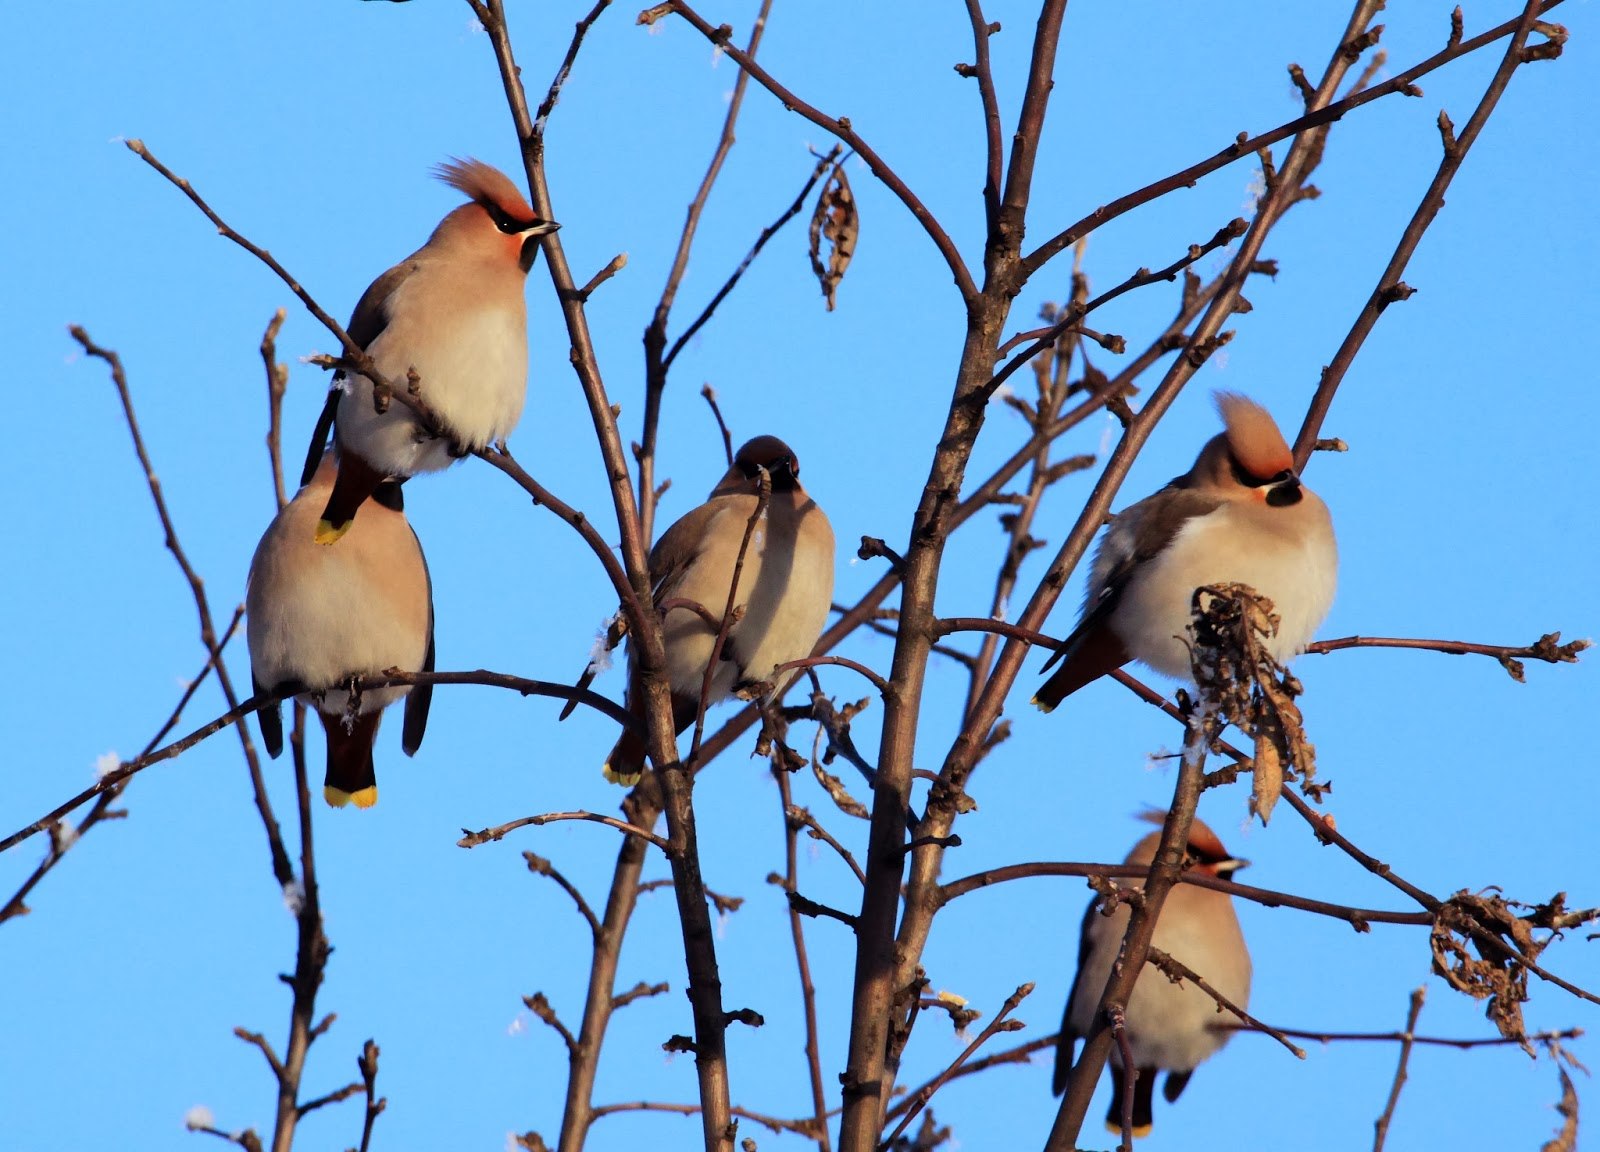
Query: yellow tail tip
x: 1140, y: 1131
x: 1043, y: 707
x: 625, y: 779
x: 361, y: 798
x: 327, y: 532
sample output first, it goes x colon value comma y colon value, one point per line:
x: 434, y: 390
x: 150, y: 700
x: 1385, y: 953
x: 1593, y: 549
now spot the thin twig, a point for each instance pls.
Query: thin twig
x: 840, y: 128
x: 713, y: 662
x: 471, y: 839
x: 1000, y: 1023
x: 1177, y: 970
x: 808, y: 991
x: 710, y: 395
x: 1390, y: 287
x: 1248, y: 146
x: 1381, y: 1126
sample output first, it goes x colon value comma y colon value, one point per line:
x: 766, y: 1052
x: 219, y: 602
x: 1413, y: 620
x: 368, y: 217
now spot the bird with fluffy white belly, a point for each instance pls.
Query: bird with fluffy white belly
x: 454, y: 313
x: 784, y: 593
x: 1240, y: 515
x: 322, y: 617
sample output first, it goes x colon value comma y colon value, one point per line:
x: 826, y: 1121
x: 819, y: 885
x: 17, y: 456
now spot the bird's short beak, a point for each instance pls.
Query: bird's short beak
x: 530, y: 242
x: 1232, y: 865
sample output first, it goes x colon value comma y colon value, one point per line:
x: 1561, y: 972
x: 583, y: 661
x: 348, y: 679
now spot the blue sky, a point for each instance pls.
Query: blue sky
x: 1464, y: 510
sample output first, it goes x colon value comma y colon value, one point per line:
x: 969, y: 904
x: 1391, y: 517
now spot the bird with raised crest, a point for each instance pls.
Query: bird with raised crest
x: 452, y: 313
x: 1240, y: 515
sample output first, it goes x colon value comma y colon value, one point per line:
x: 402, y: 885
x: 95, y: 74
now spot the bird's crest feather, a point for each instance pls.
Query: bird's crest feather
x: 1203, y: 842
x: 1253, y: 436
x: 484, y: 182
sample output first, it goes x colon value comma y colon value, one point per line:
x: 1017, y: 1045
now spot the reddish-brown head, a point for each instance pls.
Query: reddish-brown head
x: 1253, y: 438
x: 498, y: 216
x: 1205, y: 848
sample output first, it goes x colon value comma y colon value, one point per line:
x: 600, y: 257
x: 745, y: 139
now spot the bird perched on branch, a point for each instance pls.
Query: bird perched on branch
x: 1240, y: 515
x: 453, y: 312
x: 785, y: 589
x: 322, y: 617
x: 1171, y: 1026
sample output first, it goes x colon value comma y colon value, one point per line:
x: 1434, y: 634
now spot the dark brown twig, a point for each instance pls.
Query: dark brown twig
x: 808, y: 991
x: 471, y: 839
x: 840, y: 128
x: 1390, y: 287
x: 1000, y: 1023
x: 1177, y: 970
x: 1247, y: 146
x: 710, y: 395
x: 1381, y: 1126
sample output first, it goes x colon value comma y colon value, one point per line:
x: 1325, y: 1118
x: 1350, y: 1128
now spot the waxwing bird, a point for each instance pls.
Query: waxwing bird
x: 785, y: 589
x: 454, y: 311
x: 1169, y: 1026
x: 1240, y: 515
x: 321, y: 617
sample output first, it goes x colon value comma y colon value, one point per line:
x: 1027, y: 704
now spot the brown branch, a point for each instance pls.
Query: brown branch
x: 1017, y: 1055
x: 311, y: 957
x: 808, y: 907
x: 281, y: 868
x: 520, y: 684
x: 824, y: 162
x: 1322, y: 826
x: 1390, y: 287
x: 1248, y: 146
x: 1000, y: 1023
x: 541, y: 119
x: 839, y: 128
x: 808, y: 991
x: 1359, y: 918
x: 471, y: 839
x: 982, y: 71
x: 996, y: 627
x: 657, y: 360
x: 617, y: 264
x: 277, y: 384
x: 540, y: 866
x: 945, y: 802
x: 1165, y: 871
x: 1381, y: 1126
x: 710, y: 395
x: 59, y: 845
x: 1045, y: 337
x: 1401, y: 1037
x: 368, y: 1063
x: 539, y: 1005
x: 714, y: 661
x: 1547, y: 648
x: 1176, y: 970
x: 878, y: 682
x: 771, y: 1123
x: 802, y: 818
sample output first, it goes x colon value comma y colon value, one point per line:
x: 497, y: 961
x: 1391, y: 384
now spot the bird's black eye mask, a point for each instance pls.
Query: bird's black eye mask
x: 510, y: 225
x: 1285, y: 485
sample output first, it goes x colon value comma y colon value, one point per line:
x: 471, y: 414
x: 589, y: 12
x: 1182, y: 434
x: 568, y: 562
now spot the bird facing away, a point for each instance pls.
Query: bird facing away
x: 454, y: 311
x: 1169, y: 1026
x: 1240, y: 515
x: 321, y: 617
x: 785, y: 590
